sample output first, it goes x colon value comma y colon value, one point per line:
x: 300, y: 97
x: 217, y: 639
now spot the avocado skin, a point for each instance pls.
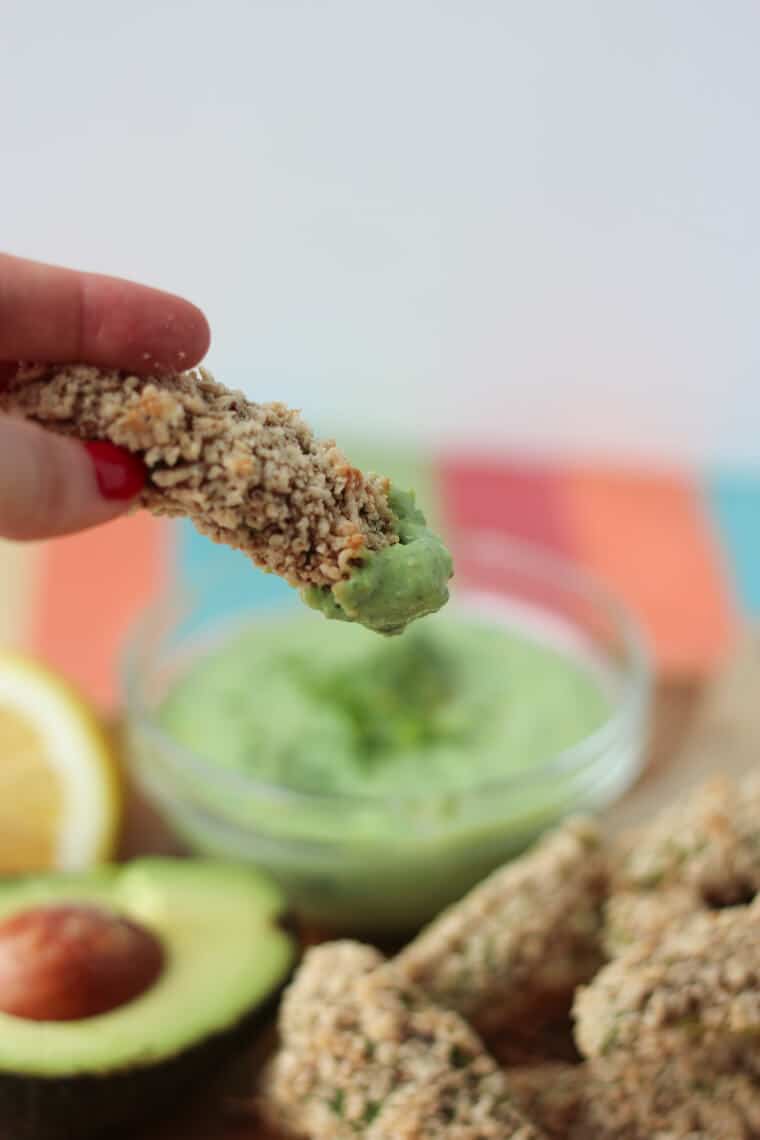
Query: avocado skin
x: 110, y: 1104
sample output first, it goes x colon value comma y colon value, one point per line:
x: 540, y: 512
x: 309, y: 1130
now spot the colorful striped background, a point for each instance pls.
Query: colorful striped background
x: 683, y: 551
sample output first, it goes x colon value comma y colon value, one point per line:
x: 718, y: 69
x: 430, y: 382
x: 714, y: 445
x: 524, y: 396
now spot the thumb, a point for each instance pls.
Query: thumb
x: 51, y: 485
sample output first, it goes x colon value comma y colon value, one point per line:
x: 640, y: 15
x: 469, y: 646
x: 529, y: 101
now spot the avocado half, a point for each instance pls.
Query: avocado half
x: 225, y: 962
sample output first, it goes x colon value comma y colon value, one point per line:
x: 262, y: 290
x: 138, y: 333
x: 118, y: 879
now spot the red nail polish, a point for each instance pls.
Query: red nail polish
x: 120, y: 475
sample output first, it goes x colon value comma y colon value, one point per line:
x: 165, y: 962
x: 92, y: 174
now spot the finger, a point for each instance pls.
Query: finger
x: 59, y: 315
x: 51, y: 485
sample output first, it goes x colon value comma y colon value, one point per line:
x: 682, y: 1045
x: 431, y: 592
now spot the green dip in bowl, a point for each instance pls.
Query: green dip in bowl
x: 378, y: 779
x: 451, y: 705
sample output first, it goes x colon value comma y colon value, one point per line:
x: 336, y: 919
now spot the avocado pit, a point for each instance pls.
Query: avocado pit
x: 70, y: 962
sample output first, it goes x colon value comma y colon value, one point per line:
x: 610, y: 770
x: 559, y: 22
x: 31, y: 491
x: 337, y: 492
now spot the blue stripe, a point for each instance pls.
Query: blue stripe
x: 734, y: 499
x: 225, y: 582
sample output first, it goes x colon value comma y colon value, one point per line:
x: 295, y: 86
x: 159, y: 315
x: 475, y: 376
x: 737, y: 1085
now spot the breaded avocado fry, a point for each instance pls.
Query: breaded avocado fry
x: 700, y: 854
x: 709, y: 842
x: 253, y: 476
x: 366, y: 1053
x: 516, y: 946
x: 698, y: 984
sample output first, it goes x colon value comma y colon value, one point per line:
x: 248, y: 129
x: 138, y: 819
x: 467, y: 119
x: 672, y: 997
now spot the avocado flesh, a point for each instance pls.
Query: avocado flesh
x: 393, y: 586
x: 226, y: 961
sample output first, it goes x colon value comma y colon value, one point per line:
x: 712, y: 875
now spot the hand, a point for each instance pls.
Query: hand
x: 50, y: 485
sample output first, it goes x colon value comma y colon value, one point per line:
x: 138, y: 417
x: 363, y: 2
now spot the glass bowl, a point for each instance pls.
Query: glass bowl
x: 363, y: 864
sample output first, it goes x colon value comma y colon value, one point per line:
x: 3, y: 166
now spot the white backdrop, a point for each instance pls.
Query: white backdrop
x: 531, y: 223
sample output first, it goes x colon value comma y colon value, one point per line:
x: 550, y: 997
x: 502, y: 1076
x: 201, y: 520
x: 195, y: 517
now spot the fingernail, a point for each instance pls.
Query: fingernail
x: 120, y: 475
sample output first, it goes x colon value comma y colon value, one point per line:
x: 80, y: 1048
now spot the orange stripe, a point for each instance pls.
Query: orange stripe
x: 649, y: 537
x: 93, y: 586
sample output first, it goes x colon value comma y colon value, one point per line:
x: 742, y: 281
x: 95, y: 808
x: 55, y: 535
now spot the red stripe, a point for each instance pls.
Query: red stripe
x: 521, y: 500
x: 510, y: 500
x: 92, y: 587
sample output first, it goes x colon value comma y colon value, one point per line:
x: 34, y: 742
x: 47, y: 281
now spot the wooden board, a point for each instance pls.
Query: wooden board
x: 695, y: 734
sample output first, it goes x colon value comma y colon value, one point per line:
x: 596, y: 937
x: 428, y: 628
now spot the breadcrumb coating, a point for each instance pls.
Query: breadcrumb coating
x: 699, y: 855
x: 365, y: 1052
x: 516, y: 946
x: 249, y: 475
x: 671, y: 1025
x: 677, y: 1099
x: 698, y: 985
x: 636, y: 916
x: 668, y: 1101
x: 709, y: 842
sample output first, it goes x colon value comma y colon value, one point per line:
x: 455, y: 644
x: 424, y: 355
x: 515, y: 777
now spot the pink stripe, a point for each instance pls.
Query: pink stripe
x: 521, y: 500
x: 510, y: 500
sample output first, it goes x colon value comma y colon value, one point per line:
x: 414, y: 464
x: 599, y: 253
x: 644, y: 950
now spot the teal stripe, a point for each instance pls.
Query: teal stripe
x: 734, y: 499
x: 225, y: 582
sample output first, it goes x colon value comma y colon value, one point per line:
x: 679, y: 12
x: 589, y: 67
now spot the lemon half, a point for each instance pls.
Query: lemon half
x: 60, y: 792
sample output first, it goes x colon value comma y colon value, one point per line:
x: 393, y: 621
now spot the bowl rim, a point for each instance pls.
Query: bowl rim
x: 631, y: 705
